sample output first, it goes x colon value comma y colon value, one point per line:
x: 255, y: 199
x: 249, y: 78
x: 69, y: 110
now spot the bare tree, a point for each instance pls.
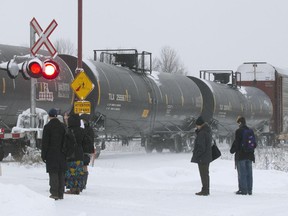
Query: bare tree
x: 64, y: 46
x: 169, y: 62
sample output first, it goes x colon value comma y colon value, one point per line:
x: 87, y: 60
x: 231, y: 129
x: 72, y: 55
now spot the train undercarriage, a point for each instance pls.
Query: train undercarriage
x: 176, y: 143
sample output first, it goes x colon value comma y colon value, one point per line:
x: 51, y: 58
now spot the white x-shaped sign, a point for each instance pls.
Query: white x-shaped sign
x: 43, y: 37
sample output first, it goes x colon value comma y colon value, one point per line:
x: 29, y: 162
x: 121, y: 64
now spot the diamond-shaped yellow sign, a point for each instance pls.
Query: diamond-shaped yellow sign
x: 82, y: 85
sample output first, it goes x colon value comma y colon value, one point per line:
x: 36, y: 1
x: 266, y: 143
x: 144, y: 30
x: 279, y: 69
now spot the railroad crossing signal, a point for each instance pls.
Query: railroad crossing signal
x: 82, y: 85
x: 43, y: 37
x: 37, y: 68
x: 32, y: 67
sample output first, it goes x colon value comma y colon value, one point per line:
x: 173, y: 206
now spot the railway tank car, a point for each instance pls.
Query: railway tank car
x: 223, y: 102
x: 130, y: 101
x: 159, y: 108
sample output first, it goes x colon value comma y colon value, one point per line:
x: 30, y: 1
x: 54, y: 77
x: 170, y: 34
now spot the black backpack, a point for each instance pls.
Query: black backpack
x: 248, y: 140
x: 69, y: 144
x: 88, y: 144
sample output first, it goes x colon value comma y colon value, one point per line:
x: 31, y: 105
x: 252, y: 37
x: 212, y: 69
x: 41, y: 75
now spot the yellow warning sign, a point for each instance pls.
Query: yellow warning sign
x: 82, y: 107
x: 145, y: 113
x: 82, y: 85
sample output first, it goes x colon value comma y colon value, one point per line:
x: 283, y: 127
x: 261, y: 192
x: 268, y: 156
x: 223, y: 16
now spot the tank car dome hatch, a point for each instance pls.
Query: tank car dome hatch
x: 130, y: 58
x: 219, y: 76
x: 222, y: 77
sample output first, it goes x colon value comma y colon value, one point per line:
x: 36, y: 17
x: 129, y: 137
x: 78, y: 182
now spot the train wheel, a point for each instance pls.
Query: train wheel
x: 103, y: 145
x: 125, y: 142
x: 187, y: 144
x: 2, y: 154
x: 159, y: 148
x: 18, y: 154
x: 178, y: 144
x: 148, y: 145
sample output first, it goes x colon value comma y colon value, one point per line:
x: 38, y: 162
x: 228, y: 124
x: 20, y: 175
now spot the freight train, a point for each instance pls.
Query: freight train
x: 130, y: 101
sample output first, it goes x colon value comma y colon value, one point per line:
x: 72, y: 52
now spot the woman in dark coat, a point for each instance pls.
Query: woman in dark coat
x: 74, y: 174
x: 202, y: 154
x: 52, y: 155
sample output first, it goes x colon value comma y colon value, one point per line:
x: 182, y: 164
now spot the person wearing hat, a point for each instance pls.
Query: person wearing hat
x: 243, y: 160
x: 202, y: 154
x: 52, y: 155
x: 74, y: 176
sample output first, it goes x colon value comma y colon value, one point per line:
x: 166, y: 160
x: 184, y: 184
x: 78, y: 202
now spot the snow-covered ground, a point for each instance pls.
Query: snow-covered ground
x: 139, y: 184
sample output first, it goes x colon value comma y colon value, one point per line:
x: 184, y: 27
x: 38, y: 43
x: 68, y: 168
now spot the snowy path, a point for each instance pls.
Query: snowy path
x: 137, y: 184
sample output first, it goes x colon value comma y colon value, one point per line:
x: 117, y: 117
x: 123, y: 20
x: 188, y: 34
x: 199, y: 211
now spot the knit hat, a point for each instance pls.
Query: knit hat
x: 74, y: 120
x: 52, y: 112
x: 200, y: 121
x: 241, y: 120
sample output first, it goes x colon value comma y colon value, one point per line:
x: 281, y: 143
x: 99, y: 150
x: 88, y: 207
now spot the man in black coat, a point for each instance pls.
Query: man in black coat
x: 202, y: 154
x: 52, y: 155
x: 243, y: 160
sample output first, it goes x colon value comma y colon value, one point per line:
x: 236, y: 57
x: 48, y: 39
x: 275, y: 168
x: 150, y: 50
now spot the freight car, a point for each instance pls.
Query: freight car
x: 274, y: 82
x: 224, y: 99
x: 130, y: 100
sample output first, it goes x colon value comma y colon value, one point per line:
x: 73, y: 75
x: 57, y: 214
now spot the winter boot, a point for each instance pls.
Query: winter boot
x: 203, y: 192
x: 85, y: 178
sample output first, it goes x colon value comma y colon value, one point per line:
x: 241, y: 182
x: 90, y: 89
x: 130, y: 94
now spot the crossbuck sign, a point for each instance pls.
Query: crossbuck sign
x: 43, y: 37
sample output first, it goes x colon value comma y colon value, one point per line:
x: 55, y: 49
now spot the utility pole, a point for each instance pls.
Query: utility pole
x: 80, y: 18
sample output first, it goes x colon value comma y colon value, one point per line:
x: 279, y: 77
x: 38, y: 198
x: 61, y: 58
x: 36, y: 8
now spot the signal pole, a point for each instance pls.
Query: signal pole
x: 33, y: 94
x: 80, y: 18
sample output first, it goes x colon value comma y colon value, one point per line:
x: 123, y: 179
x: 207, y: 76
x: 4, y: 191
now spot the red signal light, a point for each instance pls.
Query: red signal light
x: 50, y: 69
x: 34, y: 68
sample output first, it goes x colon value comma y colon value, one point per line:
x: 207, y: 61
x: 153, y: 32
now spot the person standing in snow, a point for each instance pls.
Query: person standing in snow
x: 88, y: 147
x: 202, y: 154
x: 52, y: 155
x: 75, y: 172
x: 243, y: 160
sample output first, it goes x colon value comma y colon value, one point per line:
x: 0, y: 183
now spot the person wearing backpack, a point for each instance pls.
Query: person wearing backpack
x: 75, y: 172
x: 244, y: 156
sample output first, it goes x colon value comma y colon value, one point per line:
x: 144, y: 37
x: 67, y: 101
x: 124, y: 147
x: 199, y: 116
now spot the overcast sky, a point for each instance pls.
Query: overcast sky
x: 206, y: 34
